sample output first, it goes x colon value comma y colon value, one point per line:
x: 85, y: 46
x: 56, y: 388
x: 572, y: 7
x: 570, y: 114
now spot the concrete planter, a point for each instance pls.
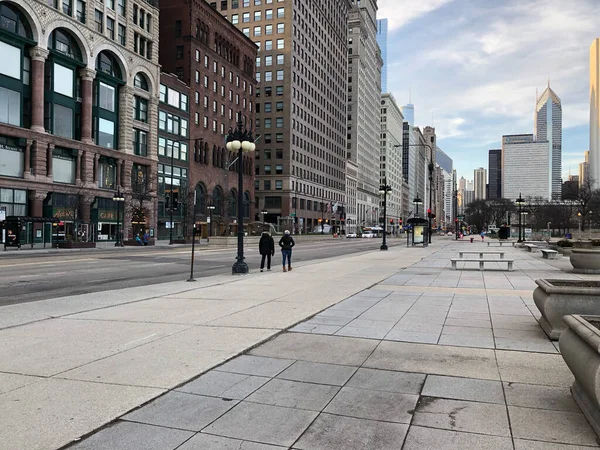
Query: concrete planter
x: 585, y: 260
x: 558, y: 298
x: 565, y: 250
x: 580, y: 348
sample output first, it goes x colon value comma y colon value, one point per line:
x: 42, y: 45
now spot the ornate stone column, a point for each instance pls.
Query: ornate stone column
x: 87, y: 80
x: 125, y: 119
x: 95, y: 174
x: 38, y: 63
x: 49, y: 160
x: 27, y: 157
x: 78, y: 168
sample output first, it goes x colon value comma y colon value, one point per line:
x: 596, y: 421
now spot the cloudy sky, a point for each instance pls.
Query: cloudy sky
x: 474, y: 66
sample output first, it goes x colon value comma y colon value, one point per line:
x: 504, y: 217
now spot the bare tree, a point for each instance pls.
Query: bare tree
x: 143, y: 195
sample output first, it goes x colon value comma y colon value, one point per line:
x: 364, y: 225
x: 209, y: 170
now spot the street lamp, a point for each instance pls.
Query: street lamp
x: 210, y: 208
x: 119, y: 198
x: 384, y: 190
x: 520, y: 202
x: 240, y: 140
x: 263, y: 213
x: 579, y: 217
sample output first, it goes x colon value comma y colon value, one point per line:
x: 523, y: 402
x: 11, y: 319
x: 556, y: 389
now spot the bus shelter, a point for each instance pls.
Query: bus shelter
x: 23, y: 230
x: 417, y: 233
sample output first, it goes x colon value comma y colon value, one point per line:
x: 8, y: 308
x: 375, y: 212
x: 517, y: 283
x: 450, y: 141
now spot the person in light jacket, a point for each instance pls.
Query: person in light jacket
x: 266, y: 247
x: 286, y: 243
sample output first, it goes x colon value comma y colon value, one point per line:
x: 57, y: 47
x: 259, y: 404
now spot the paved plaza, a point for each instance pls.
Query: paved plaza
x: 398, y: 351
x: 429, y: 358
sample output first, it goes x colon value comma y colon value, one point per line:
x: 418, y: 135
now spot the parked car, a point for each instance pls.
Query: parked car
x: 351, y: 235
x: 368, y: 234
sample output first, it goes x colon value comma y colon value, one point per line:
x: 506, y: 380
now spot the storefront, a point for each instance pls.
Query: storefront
x: 104, y: 219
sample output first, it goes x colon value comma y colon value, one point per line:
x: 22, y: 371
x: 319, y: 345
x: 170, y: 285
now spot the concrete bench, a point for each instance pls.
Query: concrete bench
x: 530, y: 247
x: 475, y: 252
x: 501, y: 243
x: 482, y: 262
x: 549, y: 254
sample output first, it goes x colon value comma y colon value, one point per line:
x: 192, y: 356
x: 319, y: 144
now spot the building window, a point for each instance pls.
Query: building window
x: 98, y: 20
x: 280, y: 59
x: 140, y: 109
x: 80, y: 11
x: 140, y: 142
x: 63, y: 165
x: 110, y: 27
x: 13, y: 160
x: 268, y: 29
x: 105, y: 100
x: 280, y: 44
x: 278, y: 185
x: 279, y: 122
x: 107, y: 173
x: 280, y: 13
x: 121, y: 7
x: 268, y: 14
x: 246, y: 17
x: 122, y: 35
x: 179, y: 53
x: 268, y: 45
x: 280, y: 75
x: 235, y: 19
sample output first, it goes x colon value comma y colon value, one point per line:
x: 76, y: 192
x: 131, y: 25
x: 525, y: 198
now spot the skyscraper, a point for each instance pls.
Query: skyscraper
x: 364, y: 104
x: 302, y: 74
x: 595, y: 112
x: 480, y: 179
x: 408, y: 111
x: 548, y: 127
x: 584, y: 169
x: 382, y: 31
x: 525, y: 167
x: 392, y: 123
x: 495, y: 174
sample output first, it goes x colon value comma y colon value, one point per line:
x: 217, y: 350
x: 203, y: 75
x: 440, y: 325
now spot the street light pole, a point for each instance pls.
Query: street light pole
x: 119, y: 198
x: 263, y: 212
x: 240, y: 140
x: 172, y: 197
x: 384, y: 190
x: 210, y: 208
x: 520, y: 202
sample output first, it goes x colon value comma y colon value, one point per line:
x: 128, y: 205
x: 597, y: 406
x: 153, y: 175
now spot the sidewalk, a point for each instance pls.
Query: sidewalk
x: 429, y: 358
x: 71, y: 365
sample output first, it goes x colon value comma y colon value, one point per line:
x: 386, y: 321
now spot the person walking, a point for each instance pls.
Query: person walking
x: 266, y: 247
x: 286, y: 243
x: 482, y: 236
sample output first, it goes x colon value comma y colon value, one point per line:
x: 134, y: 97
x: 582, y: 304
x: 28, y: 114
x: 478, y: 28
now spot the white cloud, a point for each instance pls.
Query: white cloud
x: 402, y: 12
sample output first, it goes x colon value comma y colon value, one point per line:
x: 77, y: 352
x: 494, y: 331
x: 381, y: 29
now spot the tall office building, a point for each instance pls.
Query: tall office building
x: 382, y: 32
x: 525, y: 167
x: 409, y: 113
x: 480, y: 182
x: 443, y: 160
x: 392, y: 123
x: 217, y: 62
x: 302, y: 71
x: 495, y: 174
x: 595, y: 112
x: 548, y: 127
x: 364, y: 97
x: 79, y: 89
x: 584, y: 169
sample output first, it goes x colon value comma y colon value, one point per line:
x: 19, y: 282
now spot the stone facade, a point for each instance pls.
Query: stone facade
x: 92, y: 37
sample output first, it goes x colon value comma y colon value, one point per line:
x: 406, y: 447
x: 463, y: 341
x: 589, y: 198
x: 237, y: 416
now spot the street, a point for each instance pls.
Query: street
x: 26, y: 279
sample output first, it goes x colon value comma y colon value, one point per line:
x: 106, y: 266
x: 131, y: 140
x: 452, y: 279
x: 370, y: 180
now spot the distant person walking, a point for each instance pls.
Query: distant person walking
x: 482, y: 236
x: 266, y: 247
x: 286, y: 243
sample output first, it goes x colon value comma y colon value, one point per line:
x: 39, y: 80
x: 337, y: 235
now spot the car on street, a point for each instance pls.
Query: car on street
x: 368, y: 234
x: 351, y: 235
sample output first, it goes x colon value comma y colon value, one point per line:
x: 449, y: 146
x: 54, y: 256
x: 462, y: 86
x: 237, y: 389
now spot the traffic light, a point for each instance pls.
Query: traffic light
x: 391, y: 221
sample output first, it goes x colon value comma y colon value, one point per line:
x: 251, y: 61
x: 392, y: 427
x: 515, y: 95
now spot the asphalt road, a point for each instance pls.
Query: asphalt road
x: 31, y: 278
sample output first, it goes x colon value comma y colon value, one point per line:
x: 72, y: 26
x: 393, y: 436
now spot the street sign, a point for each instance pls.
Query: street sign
x: 292, y: 214
x: 208, y: 219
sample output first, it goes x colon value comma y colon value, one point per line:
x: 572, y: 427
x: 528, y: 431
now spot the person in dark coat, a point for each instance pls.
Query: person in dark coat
x: 266, y: 247
x: 286, y: 243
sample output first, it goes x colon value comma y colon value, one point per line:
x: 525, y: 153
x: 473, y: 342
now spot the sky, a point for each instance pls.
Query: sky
x: 473, y: 67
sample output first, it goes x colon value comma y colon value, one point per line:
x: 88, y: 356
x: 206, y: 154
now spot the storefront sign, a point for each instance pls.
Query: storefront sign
x: 10, y: 147
x: 105, y: 214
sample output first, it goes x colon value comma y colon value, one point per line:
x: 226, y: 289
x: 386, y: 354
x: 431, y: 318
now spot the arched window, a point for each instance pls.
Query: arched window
x: 218, y: 200
x: 141, y: 82
x: 233, y: 203
x: 200, y: 199
x: 246, y: 204
x: 15, y: 67
x: 62, y: 104
x: 109, y: 79
x: 215, y: 160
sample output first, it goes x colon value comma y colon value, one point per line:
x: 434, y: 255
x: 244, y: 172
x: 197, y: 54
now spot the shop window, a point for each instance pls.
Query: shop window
x: 14, y: 201
x: 63, y: 166
x: 12, y: 157
x: 107, y: 174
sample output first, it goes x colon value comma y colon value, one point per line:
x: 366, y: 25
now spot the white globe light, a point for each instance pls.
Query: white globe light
x: 246, y: 146
x: 229, y: 146
x: 252, y: 147
x: 235, y: 145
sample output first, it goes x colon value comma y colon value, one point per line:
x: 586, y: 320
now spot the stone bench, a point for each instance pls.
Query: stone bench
x: 482, y: 262
x: 501, y: 243
x: 480, y: 253
x: 549, y: 254
x: 530, y: 247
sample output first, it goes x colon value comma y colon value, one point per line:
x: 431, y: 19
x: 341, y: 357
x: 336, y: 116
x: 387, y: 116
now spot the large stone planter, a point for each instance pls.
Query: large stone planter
x: 565, y: 250
x: 558, y: 298
x: 585, y: 260
x: 580, y: 348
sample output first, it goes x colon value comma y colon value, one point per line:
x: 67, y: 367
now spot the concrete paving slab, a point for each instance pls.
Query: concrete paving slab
x: 533, y: 368
x: 294, y: 394
x: 540, y: 397
x: 328, y: 320
x: 134, y: 436
x: 373, y: 405
x: 468, y: 322
x: 12, y: 381
x: 464, y: 389
x: 551, y: 426
x: 537, y: 346
x: 318, y: 348
x: 182, y: 411
x: 320, y: 373
x: 44, y: 415
x: 407, y: 325
x: 331, y: 432
x: 420, y: 438
x: 225, y: 385
x: 466, y: 341
x: 387, y: 381
x: 263, y: 423
x: 412, y: 336
x: 521, y: 444
x: 54, y: 346
x: 481, y: 418
x: 468, y: 331
x: 256, y: 365
x: 316, y: 328
x: 360, y: 332
x: 203, y: 441
x: 434, y: 359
